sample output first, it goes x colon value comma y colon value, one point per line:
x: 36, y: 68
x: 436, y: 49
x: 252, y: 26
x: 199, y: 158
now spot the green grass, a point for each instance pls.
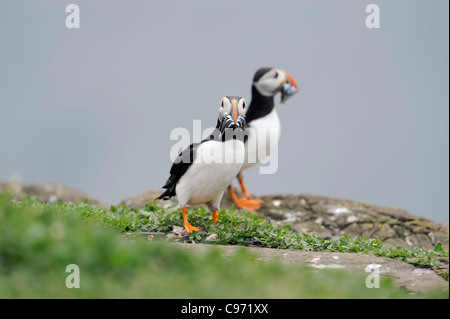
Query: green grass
x: 38, y: 241
x: 235, y: 228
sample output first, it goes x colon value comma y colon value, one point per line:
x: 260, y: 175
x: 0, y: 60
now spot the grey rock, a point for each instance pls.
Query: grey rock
x: 337, y: 216
x: 212, y: 237
x: 383, y: 232
x: 180, y: 231
x: 145, y: 198
x: 413, y: 279
x: 311, y: 227
x: 172, y: 236
x: 49, y: 193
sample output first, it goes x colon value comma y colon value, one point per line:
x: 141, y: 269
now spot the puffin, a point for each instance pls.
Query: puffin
x: 202, y: 172
x: 262, y: 121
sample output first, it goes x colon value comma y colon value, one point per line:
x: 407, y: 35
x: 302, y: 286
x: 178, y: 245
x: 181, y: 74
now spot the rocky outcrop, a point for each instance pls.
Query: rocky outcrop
x: 323, y: 216
x: 333, y: 217
x: 146, y: 198
x: 49, y: 193
x: 412, y: 279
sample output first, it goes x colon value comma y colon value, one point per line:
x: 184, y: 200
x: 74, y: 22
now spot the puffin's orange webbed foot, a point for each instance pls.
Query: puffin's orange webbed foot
x: 248, y: 203
x: 251, y: 201
x: 258, y: 200
x: 189, y: 228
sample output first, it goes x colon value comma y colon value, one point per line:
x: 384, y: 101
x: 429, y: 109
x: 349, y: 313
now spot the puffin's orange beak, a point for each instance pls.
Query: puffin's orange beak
x: 232, y: 118
x: 234, y: 111
x: 291, y: 80
x: 288, y: 88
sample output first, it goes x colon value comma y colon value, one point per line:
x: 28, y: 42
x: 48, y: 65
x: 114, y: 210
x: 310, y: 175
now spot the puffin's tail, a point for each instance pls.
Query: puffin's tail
x: 168, y: 193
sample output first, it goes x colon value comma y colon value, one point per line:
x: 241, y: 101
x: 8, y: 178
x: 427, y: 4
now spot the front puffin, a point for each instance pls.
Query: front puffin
x: 201, y: 173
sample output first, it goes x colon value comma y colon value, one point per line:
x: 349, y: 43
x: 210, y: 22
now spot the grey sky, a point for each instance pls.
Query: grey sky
x: 93, y: 107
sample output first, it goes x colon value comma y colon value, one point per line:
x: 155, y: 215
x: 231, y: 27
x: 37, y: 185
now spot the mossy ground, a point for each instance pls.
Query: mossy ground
x: 38, y: 241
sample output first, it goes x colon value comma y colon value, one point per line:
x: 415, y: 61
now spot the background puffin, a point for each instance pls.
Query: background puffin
x: 198, y: 178
x: 261, y: 114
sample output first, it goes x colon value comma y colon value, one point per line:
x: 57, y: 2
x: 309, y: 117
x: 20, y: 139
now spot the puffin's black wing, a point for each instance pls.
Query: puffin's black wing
x: 181, y: 165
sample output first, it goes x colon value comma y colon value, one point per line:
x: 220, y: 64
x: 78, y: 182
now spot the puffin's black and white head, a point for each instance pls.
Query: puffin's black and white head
x: 232, y: 113
x: 269, y: 81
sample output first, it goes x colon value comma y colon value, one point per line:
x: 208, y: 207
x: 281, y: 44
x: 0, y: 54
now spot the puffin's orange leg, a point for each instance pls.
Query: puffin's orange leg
x: 246, y: 193
x: 187, y: 226
x: 250, y: 204
x: 243, y: 188
x: 215, y: 215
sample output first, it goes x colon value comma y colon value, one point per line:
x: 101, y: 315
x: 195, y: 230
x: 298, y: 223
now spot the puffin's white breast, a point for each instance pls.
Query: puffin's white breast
x: 263, y: 136
x: 215, y: 166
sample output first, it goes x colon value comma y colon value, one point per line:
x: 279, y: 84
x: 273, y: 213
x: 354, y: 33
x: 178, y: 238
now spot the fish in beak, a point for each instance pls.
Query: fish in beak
x: 288, y: 87
x: 235, y: 117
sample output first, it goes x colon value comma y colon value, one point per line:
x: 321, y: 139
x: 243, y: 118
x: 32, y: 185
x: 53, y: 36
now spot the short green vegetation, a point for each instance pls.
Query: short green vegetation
x: 235, y: 228
x: 38, y: 241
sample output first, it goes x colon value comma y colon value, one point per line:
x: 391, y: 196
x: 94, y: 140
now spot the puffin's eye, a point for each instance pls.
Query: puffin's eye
x: 243, y: 105
x: 276, y: 74
x: 221, y: 105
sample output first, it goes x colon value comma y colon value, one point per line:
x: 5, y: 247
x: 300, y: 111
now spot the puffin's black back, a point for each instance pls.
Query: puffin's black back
x: 260, y: 106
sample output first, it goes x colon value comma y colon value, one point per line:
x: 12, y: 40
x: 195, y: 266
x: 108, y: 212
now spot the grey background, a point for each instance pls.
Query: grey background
x: 93, y: 107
